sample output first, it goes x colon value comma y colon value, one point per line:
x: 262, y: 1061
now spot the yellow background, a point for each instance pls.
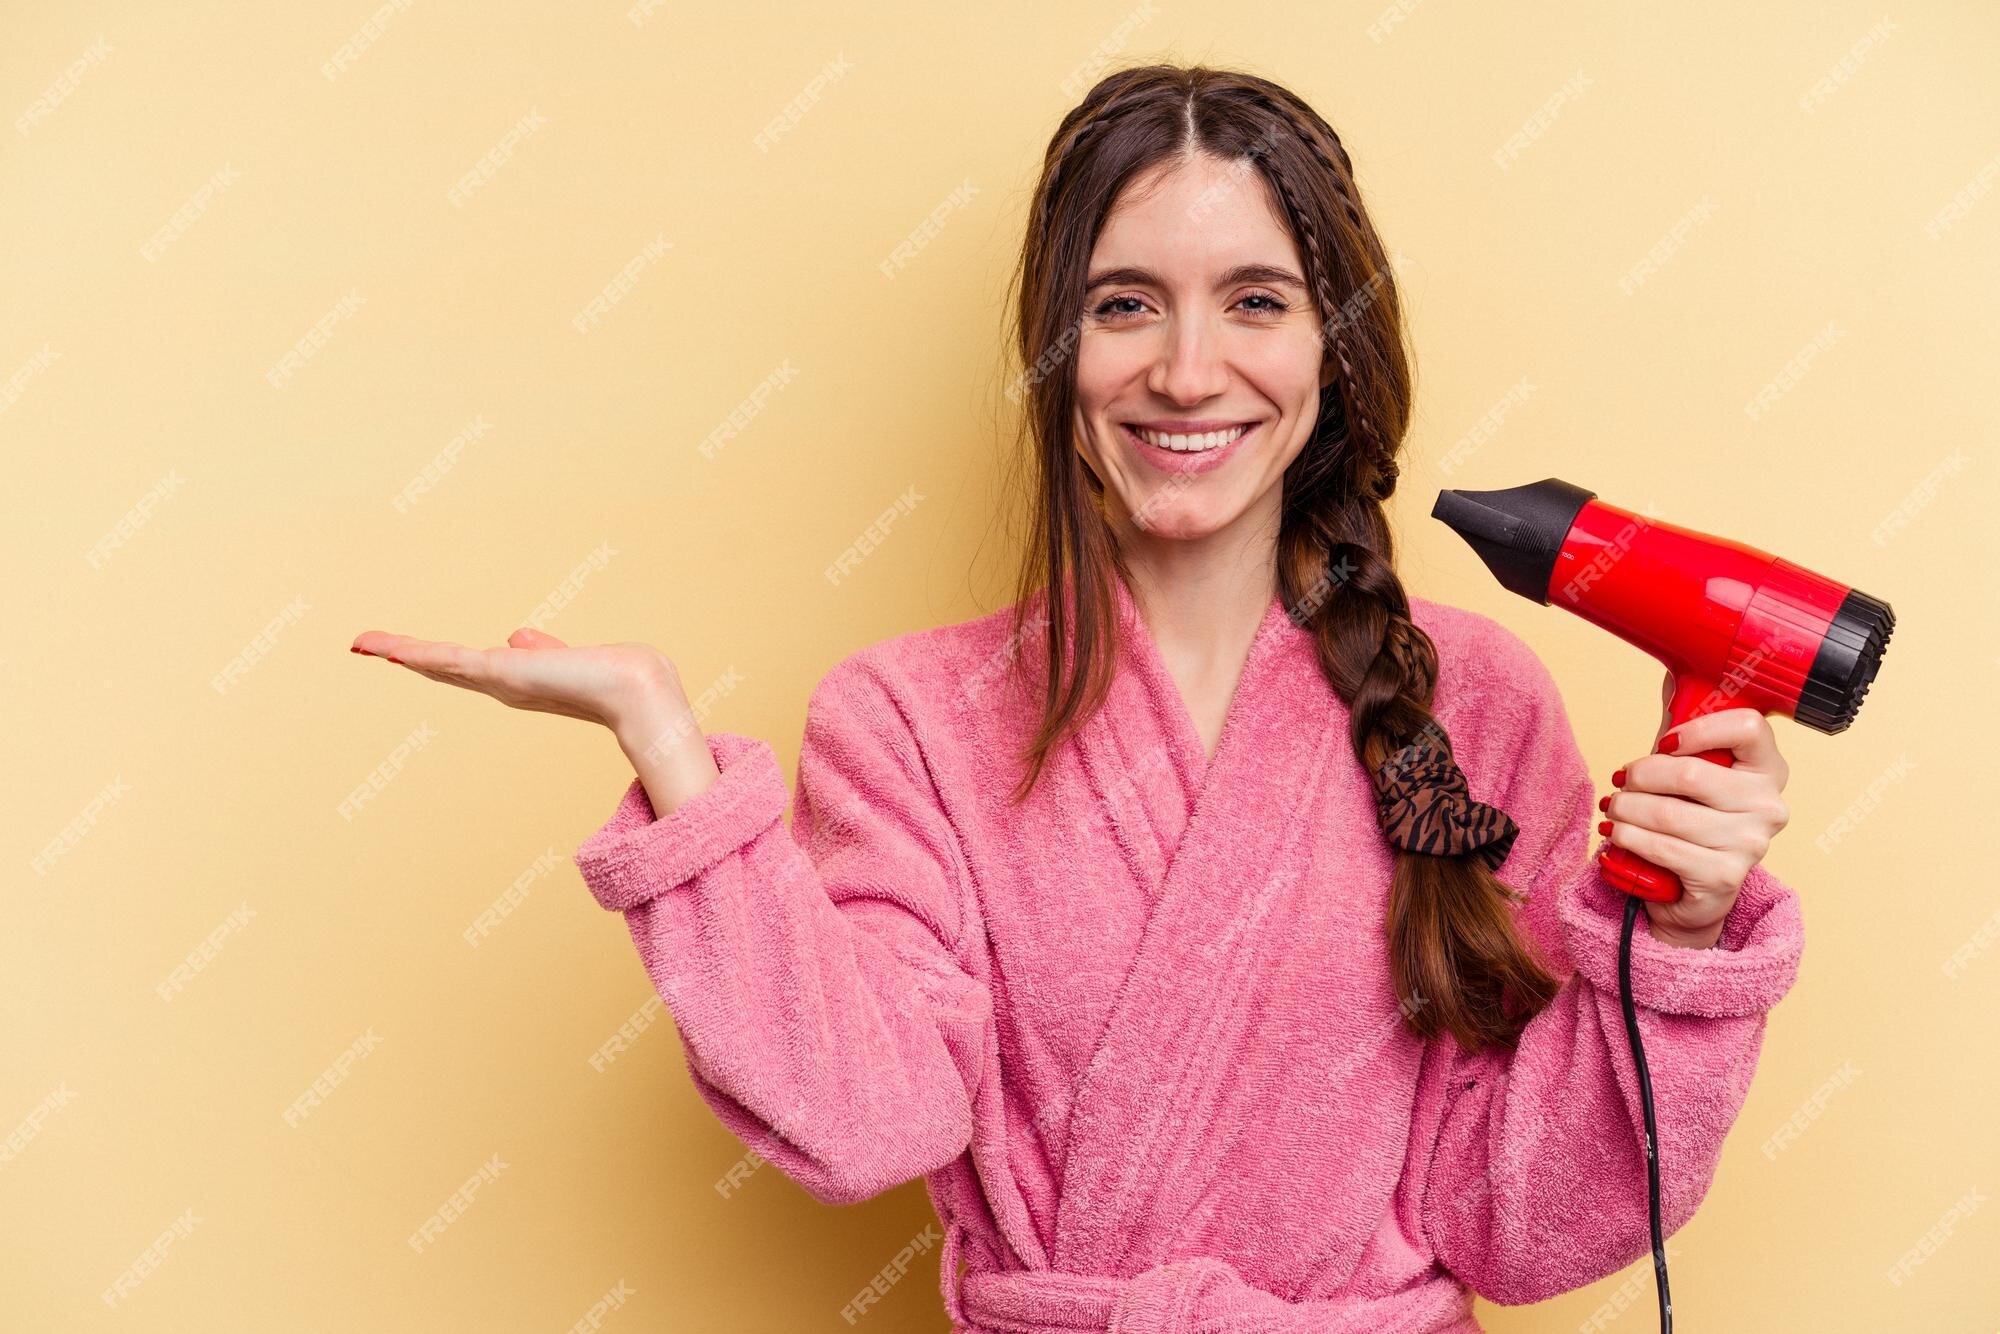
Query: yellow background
x: 1814, y: 213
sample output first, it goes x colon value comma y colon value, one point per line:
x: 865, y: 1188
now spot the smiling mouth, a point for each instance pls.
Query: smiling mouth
x: 1199, y: 442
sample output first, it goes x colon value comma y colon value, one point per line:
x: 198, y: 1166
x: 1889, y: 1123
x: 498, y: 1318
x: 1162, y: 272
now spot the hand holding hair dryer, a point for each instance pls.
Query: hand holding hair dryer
x: 1736, y: 627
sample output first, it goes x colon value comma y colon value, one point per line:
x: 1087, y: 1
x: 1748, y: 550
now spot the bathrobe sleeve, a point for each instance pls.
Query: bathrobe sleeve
x: 1537, y: 1185
x: 812, y: 973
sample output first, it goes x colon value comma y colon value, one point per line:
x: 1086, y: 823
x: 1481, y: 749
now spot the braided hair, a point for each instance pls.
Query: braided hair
x: 1456, y: 957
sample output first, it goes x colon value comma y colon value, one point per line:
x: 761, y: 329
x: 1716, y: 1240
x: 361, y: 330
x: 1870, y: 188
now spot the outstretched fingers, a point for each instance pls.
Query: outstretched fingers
x: 453, y: 664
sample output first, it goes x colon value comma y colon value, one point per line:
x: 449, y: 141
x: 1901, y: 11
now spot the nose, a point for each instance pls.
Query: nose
x: 1190, y: 365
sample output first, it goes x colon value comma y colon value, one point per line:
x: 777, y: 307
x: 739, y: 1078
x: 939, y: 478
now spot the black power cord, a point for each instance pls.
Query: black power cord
x: 1645, y: 1102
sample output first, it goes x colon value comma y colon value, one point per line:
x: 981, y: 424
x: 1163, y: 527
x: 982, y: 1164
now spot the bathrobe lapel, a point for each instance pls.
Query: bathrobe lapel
x: 1205, y: 836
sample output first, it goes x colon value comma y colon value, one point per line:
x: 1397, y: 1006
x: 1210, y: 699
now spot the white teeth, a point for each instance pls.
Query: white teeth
x: 1190, y: 444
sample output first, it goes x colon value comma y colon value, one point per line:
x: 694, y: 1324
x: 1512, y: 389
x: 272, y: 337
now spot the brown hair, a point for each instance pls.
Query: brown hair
x: 1455, y: 955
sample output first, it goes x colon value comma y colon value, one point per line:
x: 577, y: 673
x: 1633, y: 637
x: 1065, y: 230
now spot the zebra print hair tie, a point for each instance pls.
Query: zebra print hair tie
x: 1424, y: 805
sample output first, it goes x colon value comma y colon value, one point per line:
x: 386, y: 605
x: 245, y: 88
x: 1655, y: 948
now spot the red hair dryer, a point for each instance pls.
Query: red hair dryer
x: 1736, y: 627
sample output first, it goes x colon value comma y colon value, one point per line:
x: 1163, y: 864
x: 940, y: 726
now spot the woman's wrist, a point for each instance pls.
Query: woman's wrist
x: 659, y: 735
x: 1692, y: 940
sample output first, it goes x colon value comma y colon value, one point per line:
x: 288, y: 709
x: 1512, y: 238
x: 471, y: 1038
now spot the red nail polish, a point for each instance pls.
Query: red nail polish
x: 397, y: 661
x: 1604, y: 826
x: 1604, y: 803
x: 1669, y: 741
x: 352, y: 649
x: 1618, y: 779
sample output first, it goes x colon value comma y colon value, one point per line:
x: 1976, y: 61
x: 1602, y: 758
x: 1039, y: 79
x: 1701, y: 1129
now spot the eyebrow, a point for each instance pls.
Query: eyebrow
x: 1242, y: 273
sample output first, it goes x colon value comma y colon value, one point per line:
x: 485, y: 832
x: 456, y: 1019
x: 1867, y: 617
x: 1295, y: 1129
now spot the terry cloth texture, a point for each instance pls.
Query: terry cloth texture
x: 1138, y: 1034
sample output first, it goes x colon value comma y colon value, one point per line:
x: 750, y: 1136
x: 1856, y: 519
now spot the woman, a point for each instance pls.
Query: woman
x: 1103, y: 912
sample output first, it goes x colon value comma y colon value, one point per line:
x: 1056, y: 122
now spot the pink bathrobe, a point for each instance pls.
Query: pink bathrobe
x: 1139, y: 1034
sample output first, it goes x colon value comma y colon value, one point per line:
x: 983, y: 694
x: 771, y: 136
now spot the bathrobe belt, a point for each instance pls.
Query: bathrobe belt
x: 1199, y: 1295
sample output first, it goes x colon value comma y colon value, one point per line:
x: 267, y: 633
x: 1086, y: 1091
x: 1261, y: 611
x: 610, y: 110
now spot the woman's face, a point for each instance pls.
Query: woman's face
x: 1199, y: 364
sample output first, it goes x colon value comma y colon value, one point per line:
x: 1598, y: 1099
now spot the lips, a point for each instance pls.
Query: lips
x: 1188, y: 461
x: 1189, y: 436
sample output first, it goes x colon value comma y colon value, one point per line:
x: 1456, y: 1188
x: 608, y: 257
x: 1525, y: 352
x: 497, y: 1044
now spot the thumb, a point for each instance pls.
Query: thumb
x: 528, y: 638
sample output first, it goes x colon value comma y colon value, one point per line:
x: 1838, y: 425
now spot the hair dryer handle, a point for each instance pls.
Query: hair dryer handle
x: 1627, y: 870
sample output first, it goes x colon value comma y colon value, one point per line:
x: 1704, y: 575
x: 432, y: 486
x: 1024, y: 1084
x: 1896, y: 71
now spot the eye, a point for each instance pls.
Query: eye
x: 1104, y: 311
x: 1277, y: 305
